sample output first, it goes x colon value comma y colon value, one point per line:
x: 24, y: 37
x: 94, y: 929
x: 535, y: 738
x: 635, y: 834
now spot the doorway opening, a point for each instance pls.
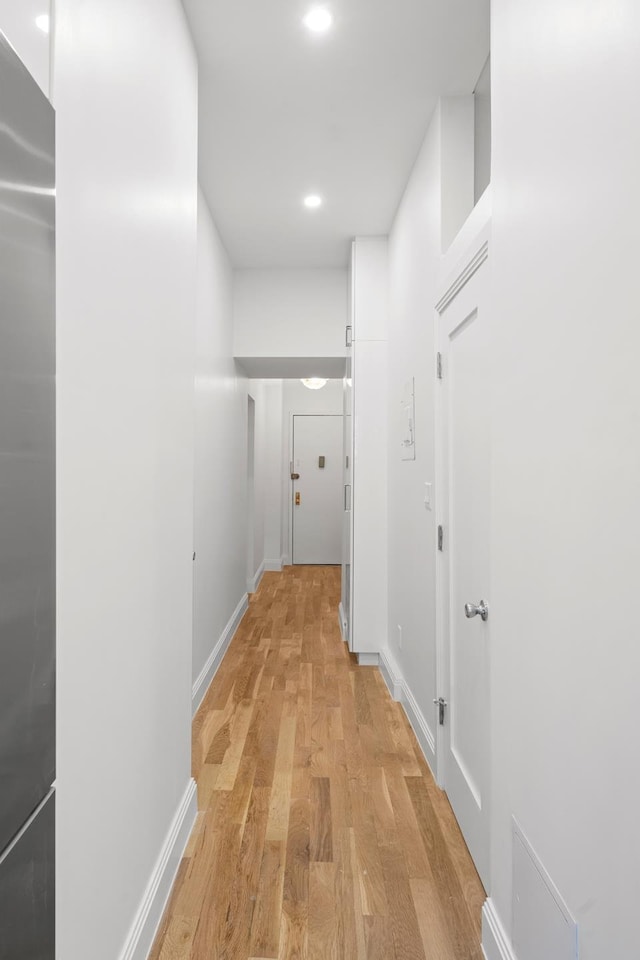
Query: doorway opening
x: 316, y: 503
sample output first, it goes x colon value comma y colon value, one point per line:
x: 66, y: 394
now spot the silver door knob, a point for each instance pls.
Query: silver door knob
x: 471, y: 610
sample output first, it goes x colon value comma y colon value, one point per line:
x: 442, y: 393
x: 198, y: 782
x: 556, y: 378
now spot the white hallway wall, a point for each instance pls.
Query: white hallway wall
x: 566, y: 456
x: 566, y: 419
x: 438, y: 197
x: 127, y: 235
x: 414, y: 249
x: 290, y: 313
x: 221, y: 390
x: 220, y: 458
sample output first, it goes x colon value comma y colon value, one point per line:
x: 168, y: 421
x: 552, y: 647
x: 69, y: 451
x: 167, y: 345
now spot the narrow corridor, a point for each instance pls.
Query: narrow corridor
x: 321, y: 833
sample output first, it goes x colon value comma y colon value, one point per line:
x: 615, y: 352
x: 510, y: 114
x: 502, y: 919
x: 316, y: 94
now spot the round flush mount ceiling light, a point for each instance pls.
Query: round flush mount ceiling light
x: 314, y: 383
x: 43, y: 23
x: 318, y: 20
x: 313, y: 201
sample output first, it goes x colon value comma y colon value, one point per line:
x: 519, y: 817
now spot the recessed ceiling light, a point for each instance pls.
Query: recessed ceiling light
x: 318, y: 20
x: 314, y: 383
x: 313, y: 201
x: 43, y: 22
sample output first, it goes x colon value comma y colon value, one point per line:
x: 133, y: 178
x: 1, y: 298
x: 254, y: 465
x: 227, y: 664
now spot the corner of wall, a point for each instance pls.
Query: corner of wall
x: 210, y: 668
x: 401, y: 691
x: 147, y: 921
x: 457, y: 145
x: 254, y: 582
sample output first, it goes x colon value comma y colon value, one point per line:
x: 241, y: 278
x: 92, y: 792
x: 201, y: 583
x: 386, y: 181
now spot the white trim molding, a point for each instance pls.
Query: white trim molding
x: 145, y: 926
x: 254, y: 583
x: 473, y: 265
x: 394, y: 683
x: 420, y: 726
x: 210, y: 668
x: 274, y: 566
x: 401, y: 691
x: 368, y: 660
x: 495, y: 942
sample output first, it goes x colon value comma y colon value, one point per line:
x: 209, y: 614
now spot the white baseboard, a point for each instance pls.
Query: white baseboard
x: 420, y: 726
x: 273, y: 565
x: 286, y: 560
x: 254, y: 583
x: 368, y: 659
x: 210, y: 668
x: 140, y: 940
x: 390, y: 677
x: 401, y: 691
x: 495, y: 942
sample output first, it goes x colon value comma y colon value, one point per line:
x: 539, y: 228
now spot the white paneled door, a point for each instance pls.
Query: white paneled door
x: 465, y: 620
x: 317, y: 489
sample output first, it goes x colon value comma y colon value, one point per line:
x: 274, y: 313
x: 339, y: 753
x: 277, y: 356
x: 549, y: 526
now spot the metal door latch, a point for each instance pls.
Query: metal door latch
x: 481, y: 610
x: 441, y: 703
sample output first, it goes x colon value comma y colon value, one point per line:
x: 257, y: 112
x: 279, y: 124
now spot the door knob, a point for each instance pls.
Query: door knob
x: 471, y: 610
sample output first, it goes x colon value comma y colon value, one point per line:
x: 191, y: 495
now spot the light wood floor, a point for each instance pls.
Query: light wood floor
x: 321, y: 834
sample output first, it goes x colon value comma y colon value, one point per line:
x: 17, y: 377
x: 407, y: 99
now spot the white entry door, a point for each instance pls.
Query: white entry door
x: 464, y: 561
x: 317, y: 491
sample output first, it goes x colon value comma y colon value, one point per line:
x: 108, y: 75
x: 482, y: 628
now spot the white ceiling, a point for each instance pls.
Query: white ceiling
x: 284, y: 113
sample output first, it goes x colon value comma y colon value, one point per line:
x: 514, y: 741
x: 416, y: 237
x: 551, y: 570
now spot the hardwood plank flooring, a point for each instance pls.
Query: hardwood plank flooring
x: 321, y: 833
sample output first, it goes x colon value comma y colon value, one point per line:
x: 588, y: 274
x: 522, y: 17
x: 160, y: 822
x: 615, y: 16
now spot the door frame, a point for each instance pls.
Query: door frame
x: 289, y: 483
x: 471, y: 256
x: 251, y: 492
x: 348, y: 473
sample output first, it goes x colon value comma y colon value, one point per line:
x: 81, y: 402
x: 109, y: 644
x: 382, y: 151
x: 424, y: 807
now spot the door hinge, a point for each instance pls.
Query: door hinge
x: 440, y: 538
x: 441, y: 703
x: 439, y: 365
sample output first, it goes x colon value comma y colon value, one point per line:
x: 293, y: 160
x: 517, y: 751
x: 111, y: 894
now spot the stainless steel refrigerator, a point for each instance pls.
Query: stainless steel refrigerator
x: 27, y: 514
